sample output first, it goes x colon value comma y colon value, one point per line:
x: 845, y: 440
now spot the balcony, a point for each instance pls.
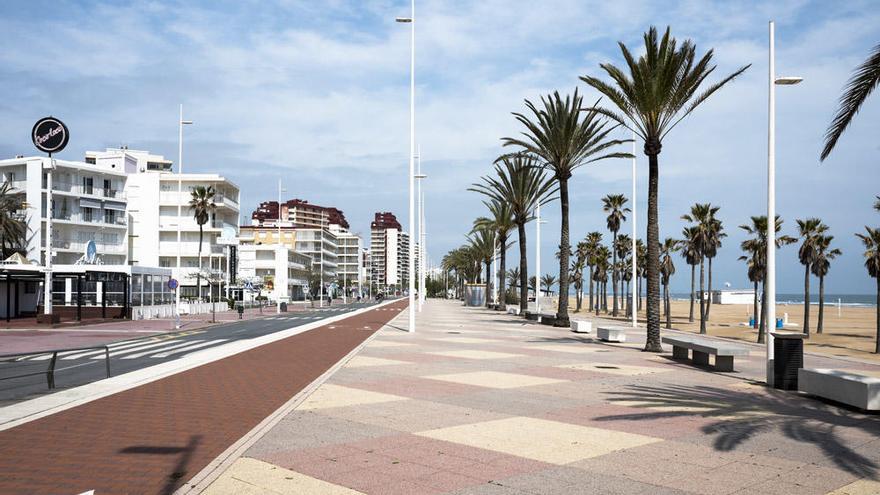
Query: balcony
x: 66, y: 216
x: 80, y: 246
x: 16, y: 185
x: 80, y: 190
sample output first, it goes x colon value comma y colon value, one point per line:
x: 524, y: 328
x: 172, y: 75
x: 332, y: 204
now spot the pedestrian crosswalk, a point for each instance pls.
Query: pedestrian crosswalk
x: 147, y: 348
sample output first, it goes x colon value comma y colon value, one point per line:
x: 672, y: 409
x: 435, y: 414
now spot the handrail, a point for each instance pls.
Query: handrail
x: 50, y: 372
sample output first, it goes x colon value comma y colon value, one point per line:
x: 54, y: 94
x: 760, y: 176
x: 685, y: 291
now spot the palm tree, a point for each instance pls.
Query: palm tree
x: 662, y: 88
x: 871, y: 240
x: 713, y: 244
x: 547, y: 282
x: 501, y: 221
x: 613, y: 205
x: 757, y: 245
x: 600, y: 275
x: 702, y: 215
x: 691, y: 253
x: 877, y: 203
x: 809, y: 230
x: 821, y: 265
x: 593, y: 240
x: 859, y: 86
x: 754, y: 261
x: 13, y: 228
x: 577, y: 272
x: 202, y: 205
x: 523, y: 185
x: 622, y: 247
x: 641, y: 270
x: 667, y: 269
x: 513, y: 281
x: 565, y: 136
x: 482, y: 242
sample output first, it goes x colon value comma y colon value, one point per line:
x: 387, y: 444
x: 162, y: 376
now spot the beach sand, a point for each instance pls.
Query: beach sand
x: 851, y: 334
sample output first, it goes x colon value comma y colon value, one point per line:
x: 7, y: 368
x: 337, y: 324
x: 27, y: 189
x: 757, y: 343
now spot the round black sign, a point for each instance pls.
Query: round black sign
x: 50, y: 135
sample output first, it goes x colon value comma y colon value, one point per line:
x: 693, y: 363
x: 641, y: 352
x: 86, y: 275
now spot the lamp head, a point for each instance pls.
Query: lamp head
x: 403, y: 19
x: 788, y: 81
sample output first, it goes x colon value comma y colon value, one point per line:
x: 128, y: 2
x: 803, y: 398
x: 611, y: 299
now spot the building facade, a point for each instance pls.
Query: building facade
x: 389, y: 254
x: 279, y: 272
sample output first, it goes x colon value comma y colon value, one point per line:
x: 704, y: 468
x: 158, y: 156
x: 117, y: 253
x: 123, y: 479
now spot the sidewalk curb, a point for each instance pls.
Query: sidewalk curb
x: 30, y: 410
x: 204, y: 478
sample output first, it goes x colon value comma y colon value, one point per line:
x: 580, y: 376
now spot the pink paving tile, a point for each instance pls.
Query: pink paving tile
x: 643, y: 421
x: 447, y: 481
x: 416, y: 357
x: 417, y: 388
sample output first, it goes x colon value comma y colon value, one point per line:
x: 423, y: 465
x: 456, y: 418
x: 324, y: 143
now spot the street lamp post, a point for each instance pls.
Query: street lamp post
x: 421, y: 231
x: 180, y: 124
x: 770, y: 282
x: 412, y: 138
x: 635, y: 281
x: 278, y: 250
x: 538, y: 261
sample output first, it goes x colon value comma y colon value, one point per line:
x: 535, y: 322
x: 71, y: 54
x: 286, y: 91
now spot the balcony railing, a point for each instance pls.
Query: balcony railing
x: 80, y: 189
x: 120, y: 220
x: 76, y: 245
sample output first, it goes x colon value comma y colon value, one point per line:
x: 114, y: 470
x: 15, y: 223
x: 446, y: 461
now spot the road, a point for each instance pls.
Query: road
x: 80, y: 367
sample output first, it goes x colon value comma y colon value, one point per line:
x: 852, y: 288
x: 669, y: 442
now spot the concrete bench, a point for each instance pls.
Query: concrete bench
x: 546, y: 318
x: 724, y: 351
x: 513, y: 310
x: 581, y: 326
x: 611, y: 334
x: 847, y: 387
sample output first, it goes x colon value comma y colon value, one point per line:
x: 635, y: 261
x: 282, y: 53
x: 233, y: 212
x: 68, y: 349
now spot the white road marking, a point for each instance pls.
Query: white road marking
x: 185, y: 349
x: 151, y: 351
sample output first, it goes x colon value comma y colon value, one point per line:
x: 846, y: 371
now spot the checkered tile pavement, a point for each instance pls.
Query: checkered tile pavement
x: 478, y: 402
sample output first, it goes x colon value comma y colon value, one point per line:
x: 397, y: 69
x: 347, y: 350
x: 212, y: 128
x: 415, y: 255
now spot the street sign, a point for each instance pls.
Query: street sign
x: 248, y: 285
x: 172, y: 284
x: 50, y: 135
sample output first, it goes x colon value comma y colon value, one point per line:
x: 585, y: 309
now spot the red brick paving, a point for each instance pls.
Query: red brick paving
x: 153, y: 438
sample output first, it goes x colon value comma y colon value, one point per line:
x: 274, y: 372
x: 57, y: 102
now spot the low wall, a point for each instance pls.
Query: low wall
x: 167, y: 310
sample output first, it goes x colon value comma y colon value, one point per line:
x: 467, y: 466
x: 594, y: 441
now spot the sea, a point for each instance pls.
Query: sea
x: 858, y: 300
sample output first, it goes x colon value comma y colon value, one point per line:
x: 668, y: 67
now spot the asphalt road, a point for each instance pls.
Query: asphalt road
x: 76, y: 368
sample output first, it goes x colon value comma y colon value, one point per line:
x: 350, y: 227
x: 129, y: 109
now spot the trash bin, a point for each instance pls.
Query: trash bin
x: 284, y: 307
x: 788, y: 358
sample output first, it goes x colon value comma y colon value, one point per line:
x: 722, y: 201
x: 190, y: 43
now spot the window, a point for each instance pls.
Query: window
x: 90, y: 159
x: 87, y: 214
x: 88, y: 183
x: 109, y: 216
x: 110, y: 238
x: 108, y: 189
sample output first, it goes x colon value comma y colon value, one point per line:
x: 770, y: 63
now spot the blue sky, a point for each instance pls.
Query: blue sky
x: 316, y: 93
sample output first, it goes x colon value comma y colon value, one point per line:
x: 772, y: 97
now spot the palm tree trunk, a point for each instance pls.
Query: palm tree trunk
x: 877, y: 305
x: 691, y: 314
x: 590, y: 281
x: 807, y: 299
x: 488, y: 281
x: 763, y: 324
x: 562, y: 311
x: 702, y: 297
x: 199, y: 273
x: 579, y: 296
x: 628, y: 303
x: 523, y: 269
x: 652, y: 342
x: 755, y: 307
x: 502, y: 293
x: 668, y: 307
x: 614, y: 274
x: 709, y: 301
x: 598, y: 298
x: 821, y: 304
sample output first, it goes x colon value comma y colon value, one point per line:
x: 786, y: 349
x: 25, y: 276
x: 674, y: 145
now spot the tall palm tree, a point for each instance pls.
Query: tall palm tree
x: 871, y: 240
x: 202, y: 205
x: 600, y: 274
x: 821, y: 265
x: 754, y: 260
x: 702, y: 215
x: 614, y: 206
x: 690, y: 251
x: 565, y: 136
x: 523, y: 185
x: 501, y: 221
x: 622, y: 247
x: 758, y: 246
x: 577, y: 271
x: 641, y: 270
x: 513, y: 281
x: 547, y: 282
x: 863, y: 81
x: 667, y: 270
x: 713, y: 244
x: 663, y: 86
x: 593, y: 240
x: 809, y: 231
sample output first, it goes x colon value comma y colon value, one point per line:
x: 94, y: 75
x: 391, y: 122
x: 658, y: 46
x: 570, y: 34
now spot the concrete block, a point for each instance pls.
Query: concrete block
x: 513, y: 310
x: 581, y: 326
x: 847, y: 387
x: 611, y: 334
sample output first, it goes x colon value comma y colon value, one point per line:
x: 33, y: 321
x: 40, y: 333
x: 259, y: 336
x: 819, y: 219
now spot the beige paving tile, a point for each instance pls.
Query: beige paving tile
x: 547, y: 441
x: 474, y: 354
x: 495, y: 379
x: 468, y: 340
x: 248, y: 476
x: 362, y: 361
x: 577, y: 348
x: 329, y: 395
x: 383, y: 343
x: 615, y: 368
x: 860, y: 487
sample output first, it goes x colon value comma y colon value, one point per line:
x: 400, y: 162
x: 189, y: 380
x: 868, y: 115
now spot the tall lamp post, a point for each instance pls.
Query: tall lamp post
x: 770, y: 284
x: 635, y: 281
x: 278, y: 250
x: 180, y: 124
x: 421, y: 231
x: 412, y: 137
x: 538, y: 223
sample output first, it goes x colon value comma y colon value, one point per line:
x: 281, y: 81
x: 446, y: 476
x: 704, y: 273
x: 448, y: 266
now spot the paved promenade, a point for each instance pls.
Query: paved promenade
x: 478, y: 402
x: 154, y: 437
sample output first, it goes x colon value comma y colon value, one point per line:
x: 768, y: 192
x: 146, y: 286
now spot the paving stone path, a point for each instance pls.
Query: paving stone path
x: 478, y: 402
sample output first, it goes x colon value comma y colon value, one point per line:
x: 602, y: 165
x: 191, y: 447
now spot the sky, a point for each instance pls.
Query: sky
x: 316, y: 93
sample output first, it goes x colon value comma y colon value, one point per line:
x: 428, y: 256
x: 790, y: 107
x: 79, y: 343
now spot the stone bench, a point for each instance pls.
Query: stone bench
x: 724, y: 351
x: 611, y: 334
x: 513, y: 310
x: 546, y: 318
x: 581, y: 326
x: 846, y: 387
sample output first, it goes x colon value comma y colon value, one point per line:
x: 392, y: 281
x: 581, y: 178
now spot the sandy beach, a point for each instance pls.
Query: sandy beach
x: 850, y: 334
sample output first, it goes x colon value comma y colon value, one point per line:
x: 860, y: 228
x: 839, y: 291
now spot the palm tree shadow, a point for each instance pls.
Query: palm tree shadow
x: 741, y: 415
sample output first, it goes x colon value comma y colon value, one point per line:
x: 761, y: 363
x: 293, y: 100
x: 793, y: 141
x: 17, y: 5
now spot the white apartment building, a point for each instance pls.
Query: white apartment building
x: 280, y: 272
x: 163, y: 232
x: 350, y: 257
x: 389, y: 253
x: 89, y: 204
